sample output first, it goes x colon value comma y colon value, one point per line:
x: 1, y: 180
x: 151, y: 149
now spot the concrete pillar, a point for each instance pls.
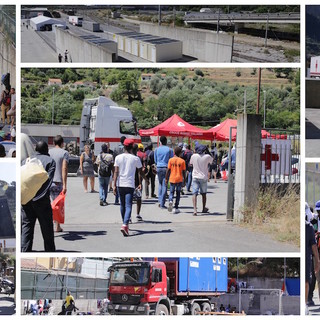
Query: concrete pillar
x: 248, y: 165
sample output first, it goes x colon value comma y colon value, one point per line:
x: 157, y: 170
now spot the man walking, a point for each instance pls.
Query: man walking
x: 161, y: 159
x: 124, y: 180
x: 59, y: 184
x: 177, y: 172
x: 39, y: 207
x: 200, y: 161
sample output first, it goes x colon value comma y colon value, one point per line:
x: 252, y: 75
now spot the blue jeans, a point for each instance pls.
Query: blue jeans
x: 189, y: 179
x: 162, y: 192
x: 103, y: 188
x: 126, y: 196
x: 175, y: 187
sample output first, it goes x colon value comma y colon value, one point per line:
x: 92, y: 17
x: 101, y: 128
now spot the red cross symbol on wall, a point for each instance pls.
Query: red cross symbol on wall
x: 268, y: 157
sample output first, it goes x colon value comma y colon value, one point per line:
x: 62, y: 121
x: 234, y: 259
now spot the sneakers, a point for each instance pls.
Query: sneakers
x: 176, y: 210
x: 170, y: 206
x: 139, y: 218
x: 103, y: 204
x: 125, y: 230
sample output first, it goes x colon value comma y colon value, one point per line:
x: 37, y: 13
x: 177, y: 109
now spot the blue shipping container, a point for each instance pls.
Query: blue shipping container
x: 203, y: 274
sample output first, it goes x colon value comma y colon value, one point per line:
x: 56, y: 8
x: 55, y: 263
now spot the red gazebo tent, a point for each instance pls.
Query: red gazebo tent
x: 221, y: 131
x: 176, y: 127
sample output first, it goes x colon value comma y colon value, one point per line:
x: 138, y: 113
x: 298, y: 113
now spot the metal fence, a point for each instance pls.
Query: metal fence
x: 43, y: 285
x: 312, y: 183
x: 280, y: 156
x: 8, y: 22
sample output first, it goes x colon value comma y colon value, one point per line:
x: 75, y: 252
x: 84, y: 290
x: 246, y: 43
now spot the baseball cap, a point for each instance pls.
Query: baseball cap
x: 127, y: 142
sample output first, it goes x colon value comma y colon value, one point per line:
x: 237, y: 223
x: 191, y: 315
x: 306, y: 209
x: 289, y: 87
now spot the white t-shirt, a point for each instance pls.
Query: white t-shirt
x: 127, y: 163
x: 200, y: 165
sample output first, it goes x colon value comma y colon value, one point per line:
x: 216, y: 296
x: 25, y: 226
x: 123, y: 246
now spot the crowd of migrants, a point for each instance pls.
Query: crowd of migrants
x: 121, y: 171
x: 312, y: 253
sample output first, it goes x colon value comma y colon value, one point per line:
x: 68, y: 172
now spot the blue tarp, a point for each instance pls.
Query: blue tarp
x: 293, y: 286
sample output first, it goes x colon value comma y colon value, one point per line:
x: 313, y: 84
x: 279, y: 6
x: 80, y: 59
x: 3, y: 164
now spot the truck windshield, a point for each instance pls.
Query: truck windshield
x: 128, y: 127
x: 129, y: 275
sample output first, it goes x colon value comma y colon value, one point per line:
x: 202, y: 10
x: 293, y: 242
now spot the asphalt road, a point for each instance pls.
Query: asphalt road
x: 7, y: 306
x: 312, y: 132
x: 315, y: 310
x: 91, y: 228
x: 34, y: 48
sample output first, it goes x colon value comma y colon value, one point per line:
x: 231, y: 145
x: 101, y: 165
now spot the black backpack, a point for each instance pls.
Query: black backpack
x: 104, y: 168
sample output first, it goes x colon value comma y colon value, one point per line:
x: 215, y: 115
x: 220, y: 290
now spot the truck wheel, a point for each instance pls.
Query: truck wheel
x: 206, y: 307
x: 162, y: 310
x: 195, y: 308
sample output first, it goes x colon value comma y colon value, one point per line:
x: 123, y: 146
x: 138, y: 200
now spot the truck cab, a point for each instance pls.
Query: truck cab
x: 103, y: 121
x: 138, y: 287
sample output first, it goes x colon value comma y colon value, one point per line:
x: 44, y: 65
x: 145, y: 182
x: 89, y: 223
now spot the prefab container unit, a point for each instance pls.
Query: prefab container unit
x: 134, y: 43
x: 111, y: 46
x: 89, y: 37
x: 120, y: 39
x: 163, y: 49
x: 91, y: 26
x: 315, y: 67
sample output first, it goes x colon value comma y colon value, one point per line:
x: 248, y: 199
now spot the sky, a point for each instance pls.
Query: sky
x: 8, y: 171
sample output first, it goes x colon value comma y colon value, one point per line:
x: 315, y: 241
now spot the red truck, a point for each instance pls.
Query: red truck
x: 171, y: 286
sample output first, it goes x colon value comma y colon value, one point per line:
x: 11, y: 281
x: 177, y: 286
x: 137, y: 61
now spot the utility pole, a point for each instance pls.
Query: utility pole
x: 174, y: 16
x: 159, y: 18
x: 264, y: 109
x: 52, y: 105
x: 266, y: 35
x: 218, y: 21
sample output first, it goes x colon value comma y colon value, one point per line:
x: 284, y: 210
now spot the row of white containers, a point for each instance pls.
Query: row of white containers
x: 149, y: 47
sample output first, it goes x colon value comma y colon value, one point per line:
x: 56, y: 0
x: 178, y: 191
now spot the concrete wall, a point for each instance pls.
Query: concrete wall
x: 206, y: 46
x: 81, y: 50
x: 312, y: 93
x: 8, y: 59
x: 290, y: 305
x: 268, y: 303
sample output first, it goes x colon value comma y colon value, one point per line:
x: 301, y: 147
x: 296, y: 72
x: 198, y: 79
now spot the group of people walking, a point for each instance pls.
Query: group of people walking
x: 130, y: 164
x: 122, y: 171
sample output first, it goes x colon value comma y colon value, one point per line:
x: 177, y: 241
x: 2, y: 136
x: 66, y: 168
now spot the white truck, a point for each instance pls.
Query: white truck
x: 76, y: 20
x: 315, y: 67
x: 103, y: 121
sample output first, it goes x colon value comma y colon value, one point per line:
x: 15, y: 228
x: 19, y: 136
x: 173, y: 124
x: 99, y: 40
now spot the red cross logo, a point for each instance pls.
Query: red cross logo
x: 268, y: 157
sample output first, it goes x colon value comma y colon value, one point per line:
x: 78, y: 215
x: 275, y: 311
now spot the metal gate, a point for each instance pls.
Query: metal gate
x: 280, y: 156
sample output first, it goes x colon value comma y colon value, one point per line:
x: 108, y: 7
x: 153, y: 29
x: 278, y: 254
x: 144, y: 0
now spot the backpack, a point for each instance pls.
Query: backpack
x: 104, y: 168
x: 6, y: 100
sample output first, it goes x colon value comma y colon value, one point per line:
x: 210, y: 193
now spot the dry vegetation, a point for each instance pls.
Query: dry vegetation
x: 277, y: 214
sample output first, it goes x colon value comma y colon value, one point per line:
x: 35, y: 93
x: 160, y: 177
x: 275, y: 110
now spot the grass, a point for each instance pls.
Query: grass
x: 290, y: 54
x: 277, y: 214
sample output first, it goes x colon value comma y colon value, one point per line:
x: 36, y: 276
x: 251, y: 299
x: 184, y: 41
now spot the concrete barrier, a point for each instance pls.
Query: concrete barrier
x: 312, y: 93
x: 81, y: 50
x: 206, y: 46
x: 8, y: 59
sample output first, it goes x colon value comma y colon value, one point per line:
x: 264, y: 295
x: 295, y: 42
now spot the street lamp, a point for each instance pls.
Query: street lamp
x: 52, y: 105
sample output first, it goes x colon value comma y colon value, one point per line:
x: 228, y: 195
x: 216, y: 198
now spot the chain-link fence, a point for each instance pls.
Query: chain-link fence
x: 50, y: 285
x: 8, y: 22
x: 312, y: 183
